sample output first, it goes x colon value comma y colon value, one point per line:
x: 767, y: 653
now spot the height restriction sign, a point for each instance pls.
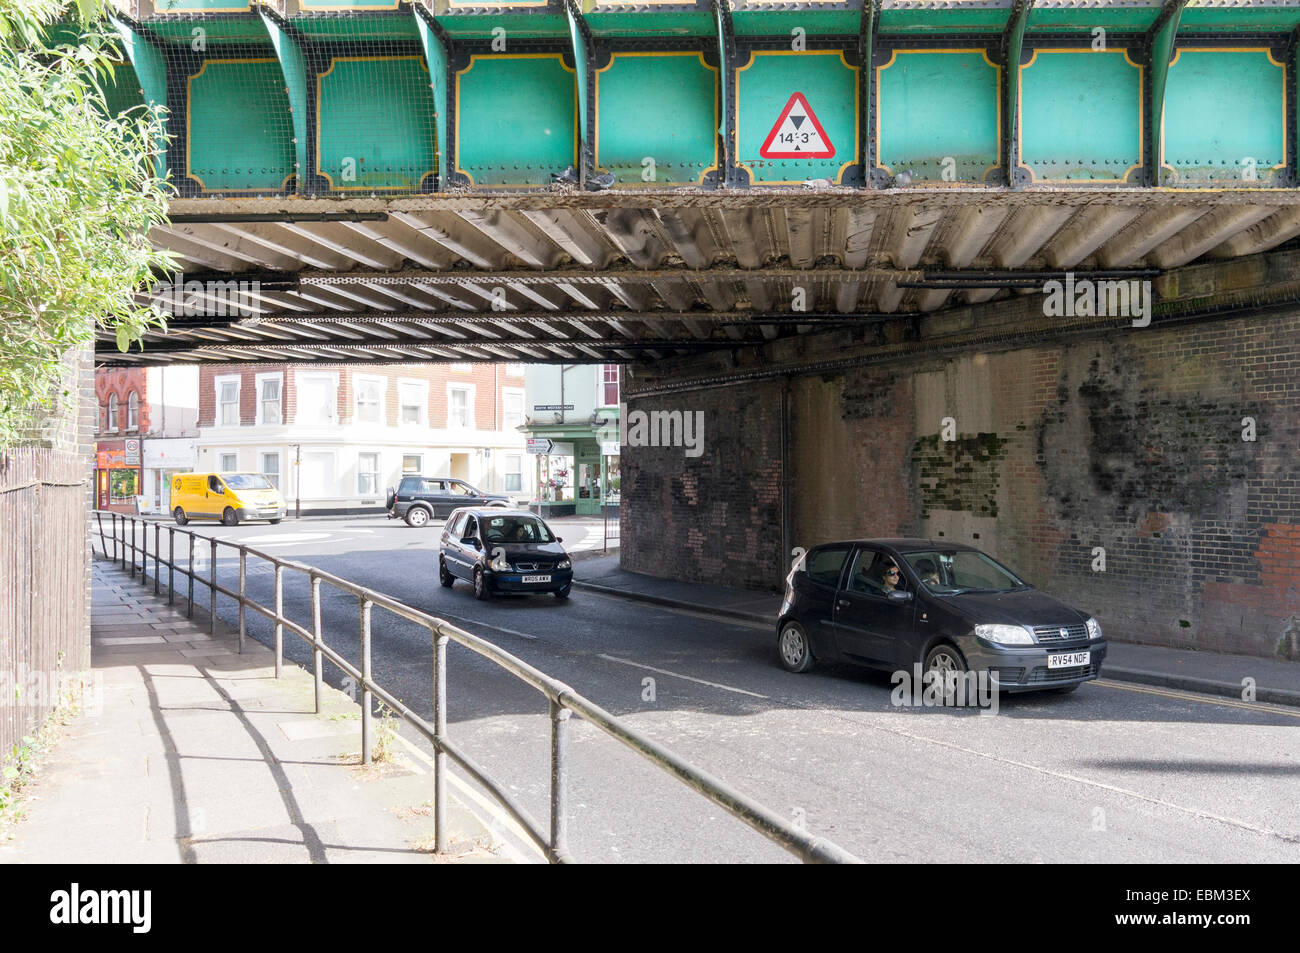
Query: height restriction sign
x: 797, y: 134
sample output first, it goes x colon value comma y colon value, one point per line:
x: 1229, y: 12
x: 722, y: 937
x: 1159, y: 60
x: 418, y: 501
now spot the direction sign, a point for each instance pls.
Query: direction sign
x: 797, y: 134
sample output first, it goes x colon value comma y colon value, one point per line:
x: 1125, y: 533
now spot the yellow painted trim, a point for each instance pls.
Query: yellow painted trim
x: 319, y: 100
x: 660, y: 185
x: 577, y: 120
x: 1286, y: 133
x: 857, y: 113
x: 189, y: 89
x: 893, y: 55
x: 1020, y: 112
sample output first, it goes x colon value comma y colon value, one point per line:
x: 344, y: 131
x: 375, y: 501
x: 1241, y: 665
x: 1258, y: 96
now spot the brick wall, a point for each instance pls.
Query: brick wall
x: 1128, y: 442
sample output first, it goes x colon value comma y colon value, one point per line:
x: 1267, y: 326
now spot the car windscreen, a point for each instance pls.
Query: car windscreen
x: 515, y: 529
x: 946, y: 573
x: 247, y: 481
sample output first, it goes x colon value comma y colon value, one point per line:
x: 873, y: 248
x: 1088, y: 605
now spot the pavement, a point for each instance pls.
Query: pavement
x: 1275, y: 681
x: 188, y: 751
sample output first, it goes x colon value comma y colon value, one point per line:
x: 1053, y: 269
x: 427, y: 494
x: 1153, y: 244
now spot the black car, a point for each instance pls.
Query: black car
x: 419, y: 499
x: 503, y: 551
x: 897, y: 603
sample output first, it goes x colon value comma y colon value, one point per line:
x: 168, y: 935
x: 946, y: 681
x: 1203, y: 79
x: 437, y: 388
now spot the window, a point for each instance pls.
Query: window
x: 609, y: 385
x: 370, y: 400
x: 824, y: 565
x: 513, y: 402
x: 268, y: 400
x: 459, y: 412
x: 514, y: 472
x: 214, y: 485
x: 133, y: 411
x: 317, y: 400
x: 367, y: 474
x: 413, y: 397
x: 454, y: 530
x: 412, y: 463
x: 247, y: 481
x: 514, y: 370
x: 228, y: 401
x: 229, y: 461
x: 316, y: 475
x: 112, y: 414
x: 271, y: 468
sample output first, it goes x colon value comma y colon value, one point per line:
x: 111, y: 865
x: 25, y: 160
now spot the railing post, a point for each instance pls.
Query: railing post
x: 439, y: 734
x: 243, y: 577
x: 132, y: 543
x: 317, y: 657
x: 559, y: 781
x: 279, y: 614
x: 171, y: 565
x: 102, y: 544
x: 157, y: 538
x: 212, y: 602
x: 113, y: 530
x: 189, y: 597
x: 367, y: 702
x: 119, y: 556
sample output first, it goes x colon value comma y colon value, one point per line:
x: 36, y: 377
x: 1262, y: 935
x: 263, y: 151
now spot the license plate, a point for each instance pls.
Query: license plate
x: 1069, y: 660
x: 540, y: 579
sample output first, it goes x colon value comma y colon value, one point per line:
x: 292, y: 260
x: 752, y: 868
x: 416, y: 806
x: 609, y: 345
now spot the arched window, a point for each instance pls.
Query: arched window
x: 112, y: 414
x: 133, y: 411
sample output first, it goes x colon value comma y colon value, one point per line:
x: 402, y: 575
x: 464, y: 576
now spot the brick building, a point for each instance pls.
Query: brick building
x: 334, y: 437
x: 145, y: 431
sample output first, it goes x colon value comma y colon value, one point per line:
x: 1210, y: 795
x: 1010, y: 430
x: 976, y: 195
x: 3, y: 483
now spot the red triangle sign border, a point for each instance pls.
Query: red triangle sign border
x: 766, y: 149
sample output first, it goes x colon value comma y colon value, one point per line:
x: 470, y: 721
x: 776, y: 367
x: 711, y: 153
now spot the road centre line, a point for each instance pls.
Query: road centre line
x: 1203, y: 699
x: 689, y: 678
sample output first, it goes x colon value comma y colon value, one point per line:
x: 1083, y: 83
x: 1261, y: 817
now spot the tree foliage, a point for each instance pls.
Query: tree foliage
x: 78, y: 195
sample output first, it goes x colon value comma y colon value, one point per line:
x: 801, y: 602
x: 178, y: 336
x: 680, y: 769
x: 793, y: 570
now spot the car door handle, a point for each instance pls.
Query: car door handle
x: 842, y: 603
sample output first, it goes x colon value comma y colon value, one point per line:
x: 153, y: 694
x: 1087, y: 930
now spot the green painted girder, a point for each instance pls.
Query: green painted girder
x: 293, y: 67
x: 1013, y: 40
x: 151, y: 70
x: 1160, y: 39
x: 437, y: 57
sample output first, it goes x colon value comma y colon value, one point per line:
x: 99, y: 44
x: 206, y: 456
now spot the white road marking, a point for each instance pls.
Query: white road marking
x: 486, y: 625
x: 689, y: 678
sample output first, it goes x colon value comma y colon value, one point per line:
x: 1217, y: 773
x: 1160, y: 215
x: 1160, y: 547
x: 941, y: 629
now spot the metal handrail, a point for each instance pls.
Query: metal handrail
x: 563, y: 700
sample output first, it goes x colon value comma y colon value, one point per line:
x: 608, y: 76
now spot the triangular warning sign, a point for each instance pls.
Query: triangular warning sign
x: 797, y: 134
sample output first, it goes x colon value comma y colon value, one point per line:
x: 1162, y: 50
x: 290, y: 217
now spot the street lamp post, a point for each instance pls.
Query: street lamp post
x: 297, y: 480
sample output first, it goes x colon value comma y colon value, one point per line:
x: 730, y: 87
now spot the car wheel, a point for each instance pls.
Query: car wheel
x: 179, y: 516
x: 444, y: 577
x: 793, y: 648
x: 946, y: 662
x: 481, y: 590
x: 1067, y: 689
x: 417, y: 516
x: 229, y: 517
x: 274, y: 522
x: 563, y: 593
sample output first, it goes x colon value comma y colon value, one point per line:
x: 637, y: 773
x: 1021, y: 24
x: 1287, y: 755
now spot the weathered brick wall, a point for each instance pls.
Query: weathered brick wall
x: 1128, y: 442
x: 709, y: 517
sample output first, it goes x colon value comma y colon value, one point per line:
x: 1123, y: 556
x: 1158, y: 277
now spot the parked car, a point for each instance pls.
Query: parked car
x: 229, y: 497
x: 503, y: 551
x: 895, y: 603
x: 418, y: 499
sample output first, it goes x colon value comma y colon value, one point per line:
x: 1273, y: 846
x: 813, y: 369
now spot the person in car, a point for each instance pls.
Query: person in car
x: 928, y: 571
x: 891, y: 578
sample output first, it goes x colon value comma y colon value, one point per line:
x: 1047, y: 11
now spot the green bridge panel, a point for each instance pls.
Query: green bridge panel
x: 122, y: 90
x: 516, y: 26
x: 330, y: 5
x: 239, y: 134
x: 813, y: 22
x: 516, y: 119
x: 654, y: 23
x: 1080, y: 115
x: 1225, y: 118
x: 199, y: 6
x: 964, y: 18
x: 660, y: 106
x: 362, y: 147
x: 765, y: 85
x: 938, y: 115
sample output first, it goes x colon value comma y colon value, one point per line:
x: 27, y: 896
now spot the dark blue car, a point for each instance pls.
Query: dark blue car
x: 894, y: 604
x: 503, y: 550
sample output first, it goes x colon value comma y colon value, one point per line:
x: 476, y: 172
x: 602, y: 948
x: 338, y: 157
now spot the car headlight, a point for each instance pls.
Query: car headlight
x: 1004, y: 634
x: 499, y: 562
x: 563, y: 564
x: 1094, y: 628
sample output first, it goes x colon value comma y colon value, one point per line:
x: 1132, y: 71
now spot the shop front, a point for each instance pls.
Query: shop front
x: 117, y: 475
x: 164, y: 457
x: 577, y: 473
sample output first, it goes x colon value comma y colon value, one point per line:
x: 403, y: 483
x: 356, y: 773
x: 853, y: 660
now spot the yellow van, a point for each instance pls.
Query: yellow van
x: 229, y: 497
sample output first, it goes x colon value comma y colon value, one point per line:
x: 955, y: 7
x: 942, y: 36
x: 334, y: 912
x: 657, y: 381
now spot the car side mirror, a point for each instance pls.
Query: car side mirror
x: 470, y: 541
x: 899, y: 595
x: 559, y: 539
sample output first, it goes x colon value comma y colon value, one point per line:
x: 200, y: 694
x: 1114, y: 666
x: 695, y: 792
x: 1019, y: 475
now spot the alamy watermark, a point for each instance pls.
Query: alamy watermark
x: 41, y: 689
x: 935, y: 689
x: 662, y: 428
x: 179, y: 298
x: 1120, y: 298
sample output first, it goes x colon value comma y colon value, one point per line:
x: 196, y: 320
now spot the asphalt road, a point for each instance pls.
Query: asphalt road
x: 1114, y: 772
